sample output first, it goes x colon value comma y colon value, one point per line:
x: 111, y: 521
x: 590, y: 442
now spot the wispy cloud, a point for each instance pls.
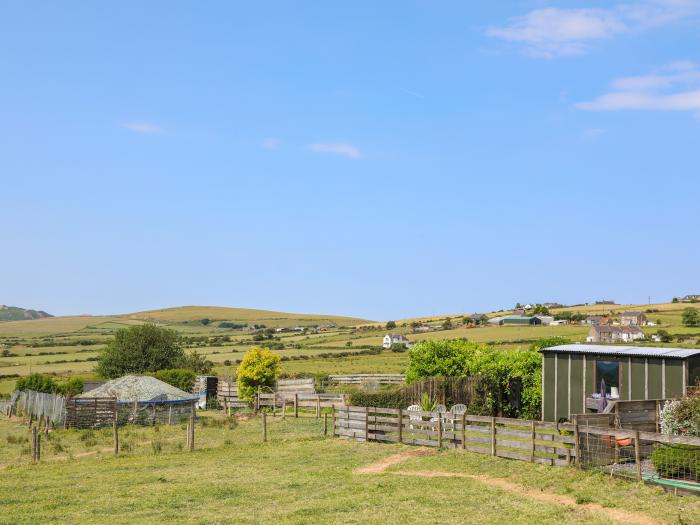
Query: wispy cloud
x: 675, y: 87
x: 344, y: 149
x: 145, y: 128
x: 271, y: 143
x: 556, y: 32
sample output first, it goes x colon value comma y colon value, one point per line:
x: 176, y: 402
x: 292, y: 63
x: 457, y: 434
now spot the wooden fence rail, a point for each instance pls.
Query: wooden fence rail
x: 357, y: 379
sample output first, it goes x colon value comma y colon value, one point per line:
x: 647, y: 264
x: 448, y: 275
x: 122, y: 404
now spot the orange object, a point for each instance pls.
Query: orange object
x: 624, y: 442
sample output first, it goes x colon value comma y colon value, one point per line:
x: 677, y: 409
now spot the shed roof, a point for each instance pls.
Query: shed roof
x: 632, y: 351
x: 138, y: 388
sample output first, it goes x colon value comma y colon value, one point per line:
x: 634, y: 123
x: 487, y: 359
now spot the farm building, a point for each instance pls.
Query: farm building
x: 614, y: 334
x: 572, y: 375
x: 520, y: 320
x: 143, y: 400
x: 393, y: 339
x: 633, y: 319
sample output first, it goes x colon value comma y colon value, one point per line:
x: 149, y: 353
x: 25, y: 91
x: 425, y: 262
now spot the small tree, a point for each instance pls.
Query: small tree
x: 178, y: 377
x: 140, y: 349
x: 259, y: 367
x: 37, y: 383
x: 664, y: 336
x: 691, y: 317
x: 197, y: 363
x: 398, y: 347
x: 447, y: 324
x: 391, y: 325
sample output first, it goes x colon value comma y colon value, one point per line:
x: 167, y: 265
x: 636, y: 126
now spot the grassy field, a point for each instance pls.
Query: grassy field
x: 300, y: 477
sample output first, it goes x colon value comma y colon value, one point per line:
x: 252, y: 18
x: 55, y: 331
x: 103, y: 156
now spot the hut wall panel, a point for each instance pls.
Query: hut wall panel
x: 548, y: 399
x: 638, y: 378
x: 562, y: 387
x: 577, y: 384
x: 655, y: 386
x: 624, y: 379
x: 674, y: 378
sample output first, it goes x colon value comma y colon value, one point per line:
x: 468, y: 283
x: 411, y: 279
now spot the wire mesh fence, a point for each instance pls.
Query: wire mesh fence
x: 40, y: 405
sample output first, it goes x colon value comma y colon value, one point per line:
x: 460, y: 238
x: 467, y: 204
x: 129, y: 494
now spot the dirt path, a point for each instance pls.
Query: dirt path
x: 618, y: 515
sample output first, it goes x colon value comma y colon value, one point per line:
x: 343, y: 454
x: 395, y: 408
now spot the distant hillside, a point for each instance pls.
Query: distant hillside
x: 15, y: 313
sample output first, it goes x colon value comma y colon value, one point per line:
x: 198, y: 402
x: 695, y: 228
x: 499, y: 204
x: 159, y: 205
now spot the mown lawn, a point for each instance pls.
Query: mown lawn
x: 301, y: 477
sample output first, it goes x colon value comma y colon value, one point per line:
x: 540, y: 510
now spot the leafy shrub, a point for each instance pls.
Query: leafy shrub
x: 680, y: 462
x: 139, y: 349
x: 383, y: 399
x: 398, y: 347
x: 70, y: 387
x: 178, y: 377
x: 681, y: 417
x: 197, y: 363
x: 259, y: 367
x: 37, y: 383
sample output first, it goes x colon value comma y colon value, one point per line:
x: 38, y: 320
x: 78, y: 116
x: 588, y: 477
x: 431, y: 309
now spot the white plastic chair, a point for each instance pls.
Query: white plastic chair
x: 458, y: 409
x: 413, y: 417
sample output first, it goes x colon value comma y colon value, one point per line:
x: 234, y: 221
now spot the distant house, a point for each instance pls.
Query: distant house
x: 391, y: 339
x: 519, y: 311
x: 596, y: 320
x: 633, y: 319
x: 692, y: 297
x: 496, y: 320
x: 614, y: 334
x: 546, y: 319
x: 519, y: 320
x: 559, y: 322
x: 422, y: 328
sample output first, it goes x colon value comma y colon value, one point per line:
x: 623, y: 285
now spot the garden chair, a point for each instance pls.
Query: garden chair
x: 413, y: 417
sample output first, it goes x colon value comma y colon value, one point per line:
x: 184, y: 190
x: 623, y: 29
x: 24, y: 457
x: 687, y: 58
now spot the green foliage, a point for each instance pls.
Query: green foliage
x: 691, y: 317
x: 205, y: 321
x: 664, y: 336
x: 539, y: 310
x: 398, y: 347
x: 427, y: 404
x: 678, y: 462
x: 391, y: 325
x: 178, y: 377
x: 140, y: 349
x: 259, y: 367
x: 681, y: 417
x: 70, y: 387
x: 37, y: 383
x: 383, y: 399
x: 197, y: 363
x: 447, y: 324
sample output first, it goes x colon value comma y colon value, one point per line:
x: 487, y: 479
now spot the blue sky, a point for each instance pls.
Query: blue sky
x: 378, y: 159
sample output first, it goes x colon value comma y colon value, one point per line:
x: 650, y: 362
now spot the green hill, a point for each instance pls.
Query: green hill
x: 15, y: 313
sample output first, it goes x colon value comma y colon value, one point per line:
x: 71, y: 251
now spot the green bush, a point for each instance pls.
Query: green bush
x: 70, y: 387
x: 384, y: 399
x: 37, y: 383
x: 178, y: 377
x: 678, y: 462
x: 259, y: 367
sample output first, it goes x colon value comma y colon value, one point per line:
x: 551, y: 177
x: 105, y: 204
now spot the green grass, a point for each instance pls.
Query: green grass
x: 297, y: 477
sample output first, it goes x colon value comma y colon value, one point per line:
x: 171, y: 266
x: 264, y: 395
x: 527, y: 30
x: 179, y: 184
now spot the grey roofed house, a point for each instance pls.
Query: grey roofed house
x: 143, y: 389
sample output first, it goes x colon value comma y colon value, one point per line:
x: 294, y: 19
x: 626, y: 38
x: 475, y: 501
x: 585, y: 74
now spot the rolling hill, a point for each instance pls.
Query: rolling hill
x: 15, y: 313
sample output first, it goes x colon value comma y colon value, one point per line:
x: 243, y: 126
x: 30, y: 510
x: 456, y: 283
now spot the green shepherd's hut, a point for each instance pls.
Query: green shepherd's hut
x: 573, y: 376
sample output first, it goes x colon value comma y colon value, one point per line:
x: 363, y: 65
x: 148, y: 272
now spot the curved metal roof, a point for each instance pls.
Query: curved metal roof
x: 618, y: 350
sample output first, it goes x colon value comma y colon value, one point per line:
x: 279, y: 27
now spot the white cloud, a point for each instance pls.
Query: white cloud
x: 554, y: 32
x: 344, y: 149
x: 670, y: 89
x: 271, y: 143
x: 146, y: 128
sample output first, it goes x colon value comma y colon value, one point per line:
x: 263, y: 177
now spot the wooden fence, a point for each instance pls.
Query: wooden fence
x: 90, y: 413
x: 358, y: 379
x: 534, y: 441
x: 445, y: 390
x: 305, y: 385
x: 318, y: 401
x: 227, y: 395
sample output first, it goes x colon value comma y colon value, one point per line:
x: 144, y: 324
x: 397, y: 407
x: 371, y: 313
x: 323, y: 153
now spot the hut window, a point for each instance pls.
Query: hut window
x: 609, y: 371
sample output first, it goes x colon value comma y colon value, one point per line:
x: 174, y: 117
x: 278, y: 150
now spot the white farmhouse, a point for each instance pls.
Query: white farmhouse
x: 391, y: 339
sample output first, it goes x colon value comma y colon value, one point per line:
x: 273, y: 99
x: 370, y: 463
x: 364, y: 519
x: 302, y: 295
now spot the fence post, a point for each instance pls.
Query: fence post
x: 38, y: 447
x: 464, y: 430
x: 366, y: 423
x: 439, y: 429
x: 296, y: 405
x: 257, y: 400
x: 325, y: 423
x: 318, y: 405
x: 34, y: 444
x: 264, y: 426
x: 115, y: 429
x: 493, y: 436
x: 577, y: 443
x: 284, y: 407
x: 532, y: 437
x: 170, y: 415
x: 191, y: 434
x: 400, y: 425
x: 637, y: 456
x: 333, y: 420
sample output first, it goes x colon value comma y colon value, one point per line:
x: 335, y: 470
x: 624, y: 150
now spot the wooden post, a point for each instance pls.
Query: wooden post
x: 464, y: 430
x: 400, y: 425
x: 191, y: 434
x: 257, y: 400
x: 170, y: 415
x: 264, y: 426
x: 188, y: 435
x: 657, y: 417
x: 577, y: 443
x: 274, y: 405
x: 38, y: 447
x: 296, y: 405
x: 637, y: 456
x: 318, y: 405
x: 325, y: 423
x: 532, y: 437
x: 34, y: 444
x: 333, y: 421
x: 493, y: 436
x: 46, y: 425
x: 115, y: 430
x: 439, y: 430
x: 367, y: 424
x: 284, y: 407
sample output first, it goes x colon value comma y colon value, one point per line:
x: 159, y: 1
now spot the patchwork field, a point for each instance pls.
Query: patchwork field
x: 68, y: 346
x: 300, y: 477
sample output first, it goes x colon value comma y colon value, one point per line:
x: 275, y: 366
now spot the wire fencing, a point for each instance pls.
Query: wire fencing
x: 40, y: 405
